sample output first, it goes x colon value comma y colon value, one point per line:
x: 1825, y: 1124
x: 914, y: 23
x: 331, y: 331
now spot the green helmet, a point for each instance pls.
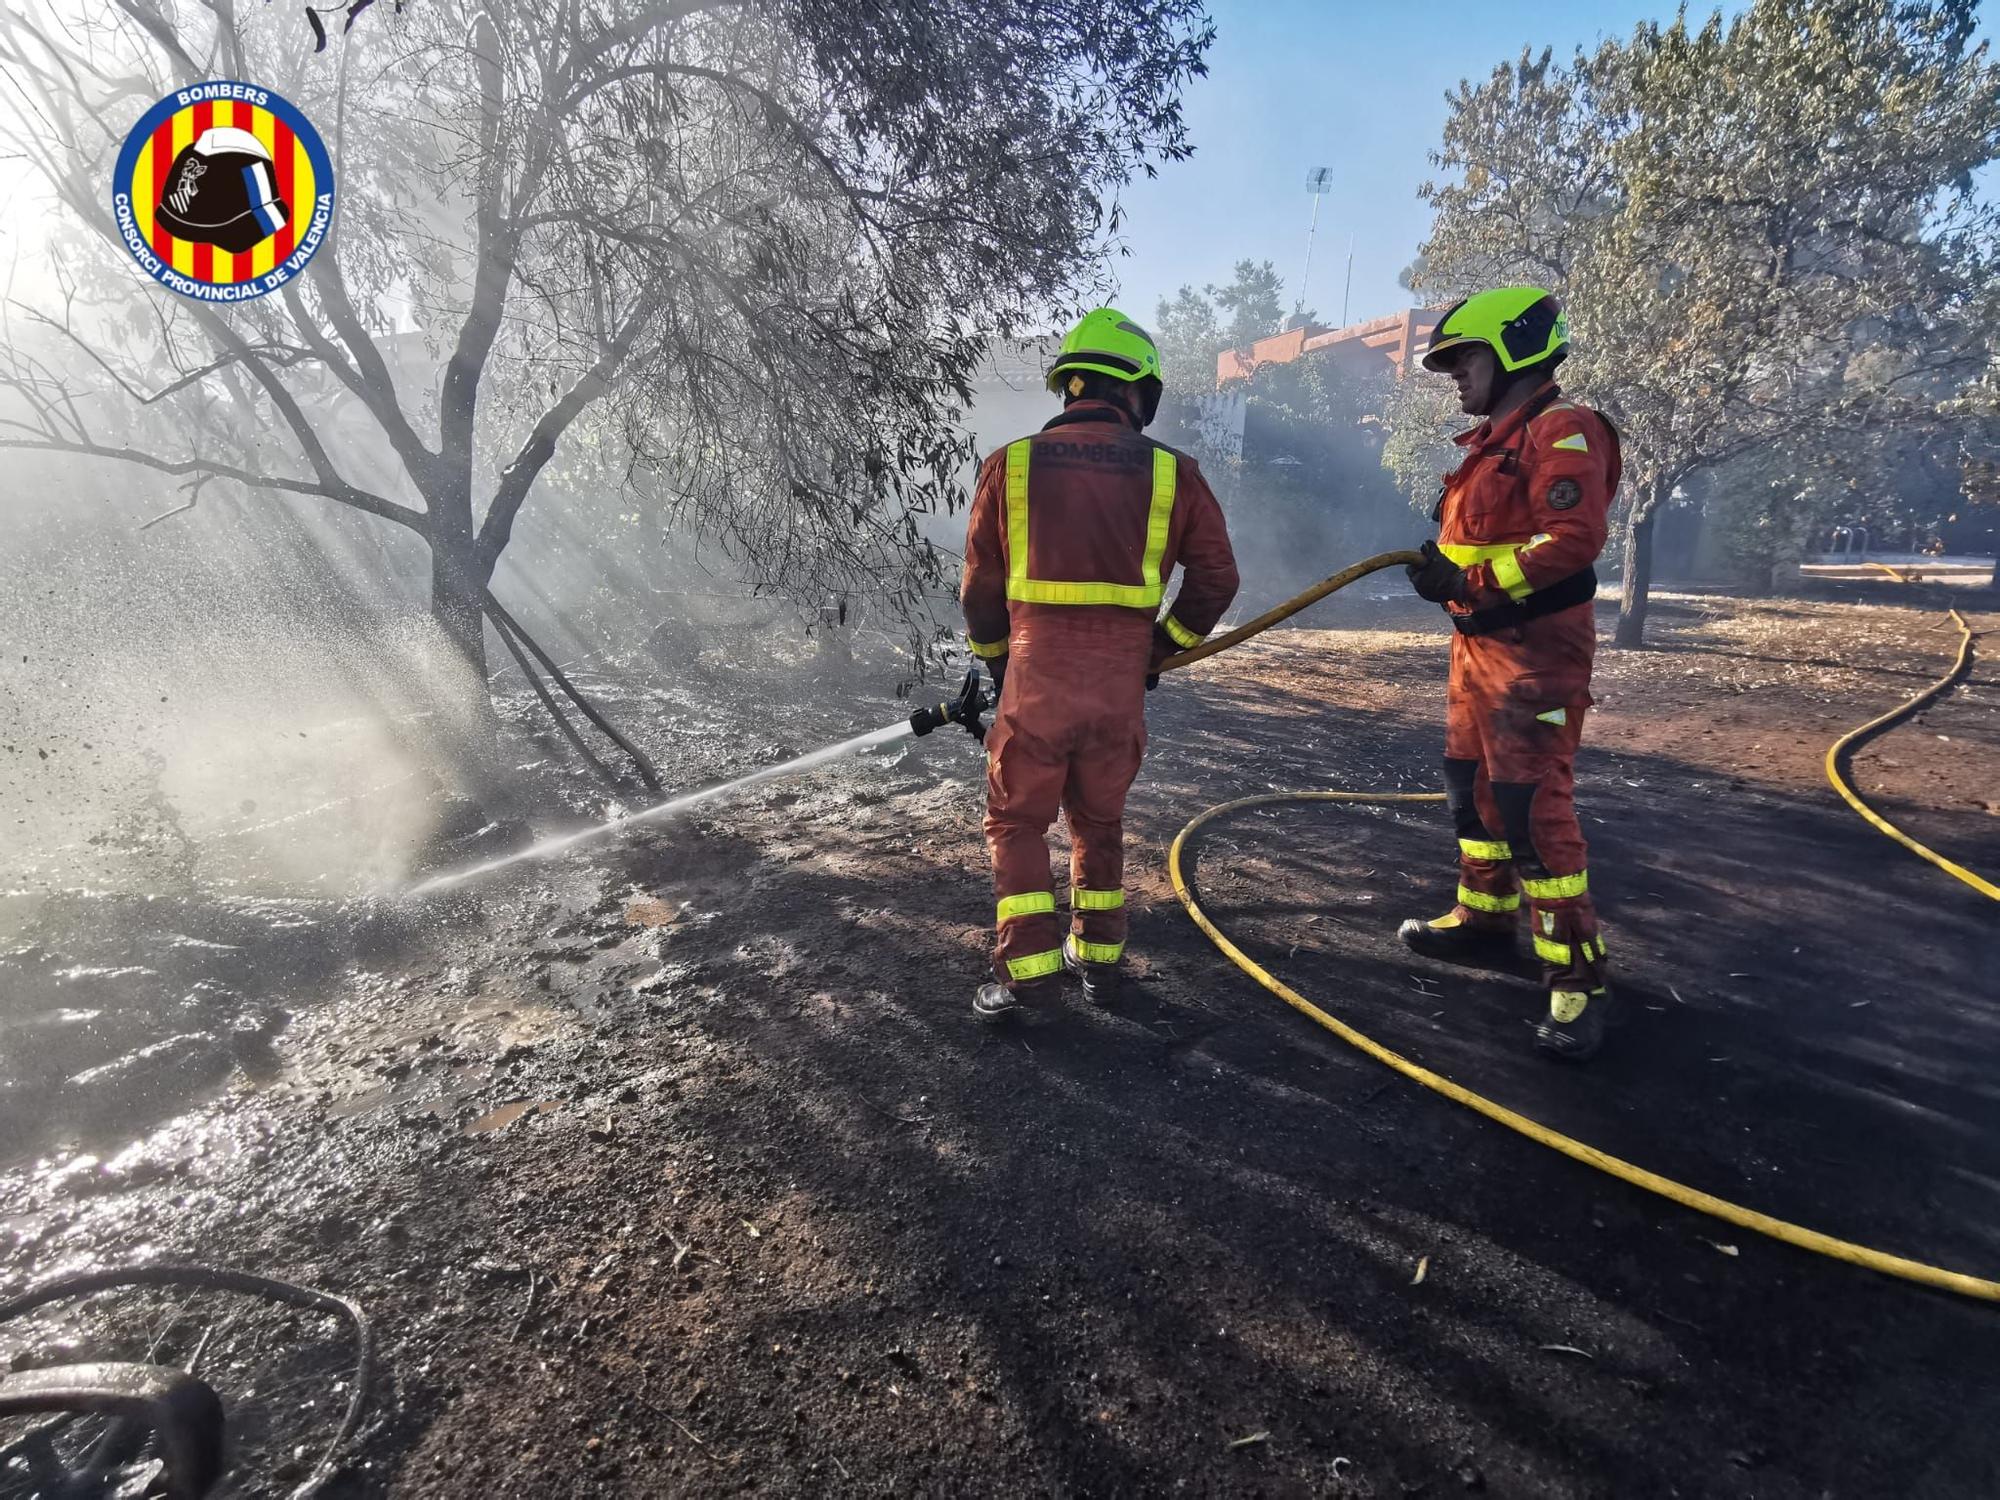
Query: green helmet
x: 1524, y: 326
x: 1109, y: 343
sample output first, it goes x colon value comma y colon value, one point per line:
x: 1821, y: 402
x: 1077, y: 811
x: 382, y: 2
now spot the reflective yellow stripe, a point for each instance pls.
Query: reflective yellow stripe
x: 1593, y: 948
x: 1098, y: 953
x: 1026, y: 905
x: 1550, y: 951
x: 1017, y: 516
x: 1465, y: 554
x: 1159, y: 519
x: 987, y: 649
x: 1507, y: 573
x: 1085, y: 900
x: 1035, y: 965
x: 1480, y: 901
x: 1574, y: 443
x: 1485, y: 849
x: 1183, y: 637
x: 1557, y: 887
x: 1566, y: 1005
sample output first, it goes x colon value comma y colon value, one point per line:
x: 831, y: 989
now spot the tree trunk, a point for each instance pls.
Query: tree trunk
x: 1638, y: 574
x: 458, y: 595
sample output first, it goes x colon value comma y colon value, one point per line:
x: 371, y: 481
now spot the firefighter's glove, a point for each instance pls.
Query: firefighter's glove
x: 996, y: 668
x: 1164, y: 646
x: 1437, y: 578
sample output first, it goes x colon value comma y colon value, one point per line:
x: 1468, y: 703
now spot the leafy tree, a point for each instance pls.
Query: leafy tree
x: 1308, y: 481
x: 1252, y: 304
x: 1740, y: 218
x: 1190, y: 337
x: 736, y: 258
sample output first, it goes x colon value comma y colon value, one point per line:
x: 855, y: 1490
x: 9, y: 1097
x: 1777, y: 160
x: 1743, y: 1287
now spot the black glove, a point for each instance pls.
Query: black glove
x: 1164, y: 646
x: 1437, y: 578
x: 996, y: 668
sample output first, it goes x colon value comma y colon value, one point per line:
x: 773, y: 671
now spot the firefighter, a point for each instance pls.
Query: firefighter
x: 1521, y: 521
x: 1073, y: 535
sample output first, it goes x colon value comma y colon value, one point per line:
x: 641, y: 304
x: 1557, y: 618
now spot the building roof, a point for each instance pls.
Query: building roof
x: 1392, y: 340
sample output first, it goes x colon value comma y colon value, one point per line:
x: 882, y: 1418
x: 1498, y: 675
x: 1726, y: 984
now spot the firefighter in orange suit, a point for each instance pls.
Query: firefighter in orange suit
x: 1521, y: 521
x: 1073, y: 535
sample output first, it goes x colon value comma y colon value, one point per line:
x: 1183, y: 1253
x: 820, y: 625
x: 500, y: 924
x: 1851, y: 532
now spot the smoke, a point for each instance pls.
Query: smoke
x: 240, y: 698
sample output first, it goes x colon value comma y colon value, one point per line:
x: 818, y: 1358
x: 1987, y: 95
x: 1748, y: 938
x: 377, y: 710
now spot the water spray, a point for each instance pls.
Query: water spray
x: 967, y: 710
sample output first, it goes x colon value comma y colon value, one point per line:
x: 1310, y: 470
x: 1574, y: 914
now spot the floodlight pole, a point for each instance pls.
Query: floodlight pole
x: 1316, y: 184
x: 1306, y: 280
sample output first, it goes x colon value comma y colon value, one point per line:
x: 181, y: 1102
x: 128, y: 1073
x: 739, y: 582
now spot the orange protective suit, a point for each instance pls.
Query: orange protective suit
x: 1073, y: 534
x: 1526, y: 512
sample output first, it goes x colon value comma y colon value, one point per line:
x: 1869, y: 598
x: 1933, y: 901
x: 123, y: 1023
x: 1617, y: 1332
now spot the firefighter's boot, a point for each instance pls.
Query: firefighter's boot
x: 1571, y: 948
x: 1100, y: 981
x: 1462, y: 936
x: 1573, y: 1029
x: 996, y: 1002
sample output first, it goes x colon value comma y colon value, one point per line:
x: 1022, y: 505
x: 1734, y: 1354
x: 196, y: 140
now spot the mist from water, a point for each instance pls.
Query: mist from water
x: 563, y: 843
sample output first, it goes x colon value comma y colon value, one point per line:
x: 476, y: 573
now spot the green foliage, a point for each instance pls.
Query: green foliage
x: 1308, y: 483
x: 1251, y: 304
x: 1190, y: 336
x: 1420, y: 417
x: 1194, y: 327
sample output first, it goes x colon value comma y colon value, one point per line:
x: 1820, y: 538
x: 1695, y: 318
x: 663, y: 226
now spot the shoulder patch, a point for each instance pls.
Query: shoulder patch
x: 1565, y: 494
x: 1574, y: 443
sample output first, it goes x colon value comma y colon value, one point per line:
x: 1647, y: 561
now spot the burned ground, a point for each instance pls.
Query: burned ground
x: 680, y: 1167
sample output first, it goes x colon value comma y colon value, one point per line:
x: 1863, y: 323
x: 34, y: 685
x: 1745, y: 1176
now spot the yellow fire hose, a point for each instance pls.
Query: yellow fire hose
x: 1841, y: 748
x: 1732, y: 1213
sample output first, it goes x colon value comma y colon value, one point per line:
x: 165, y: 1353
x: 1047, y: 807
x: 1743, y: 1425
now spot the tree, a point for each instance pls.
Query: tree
x: 1252, y: 304
x: 737, y: 258
x: 1735, y: 216
x: 1306, y: 481
x: 1421, y: 417
x: 1190, y: 337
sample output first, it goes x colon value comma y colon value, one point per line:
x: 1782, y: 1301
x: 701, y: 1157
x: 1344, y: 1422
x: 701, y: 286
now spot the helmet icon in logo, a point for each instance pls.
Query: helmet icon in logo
x: 222, y: 190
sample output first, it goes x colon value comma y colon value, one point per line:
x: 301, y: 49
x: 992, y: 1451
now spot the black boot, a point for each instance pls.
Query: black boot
x: 1459, y: 937
x: 1100, y: 981
x: 996, y: 1002
x: 1573, y: 1029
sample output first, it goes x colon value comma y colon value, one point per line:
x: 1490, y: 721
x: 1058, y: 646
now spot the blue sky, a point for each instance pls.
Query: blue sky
x: 1358, y: 88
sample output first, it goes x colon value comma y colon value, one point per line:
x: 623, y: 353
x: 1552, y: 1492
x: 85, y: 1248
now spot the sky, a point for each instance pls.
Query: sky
x: 1355, y: 87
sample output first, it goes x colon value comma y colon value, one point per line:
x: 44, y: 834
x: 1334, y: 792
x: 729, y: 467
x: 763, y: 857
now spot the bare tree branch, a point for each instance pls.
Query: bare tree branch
x: 519, y: 476
x: 346, y: 494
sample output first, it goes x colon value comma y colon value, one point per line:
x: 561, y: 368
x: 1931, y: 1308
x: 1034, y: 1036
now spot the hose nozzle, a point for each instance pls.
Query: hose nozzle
x: 965, y: 709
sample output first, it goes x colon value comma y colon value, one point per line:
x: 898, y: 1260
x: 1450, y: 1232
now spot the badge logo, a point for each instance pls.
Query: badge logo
x: 1564, y: 494
x: 223, y: 192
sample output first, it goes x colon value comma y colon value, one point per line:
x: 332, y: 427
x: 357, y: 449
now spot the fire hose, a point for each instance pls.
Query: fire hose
x: 1689, y: 1197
